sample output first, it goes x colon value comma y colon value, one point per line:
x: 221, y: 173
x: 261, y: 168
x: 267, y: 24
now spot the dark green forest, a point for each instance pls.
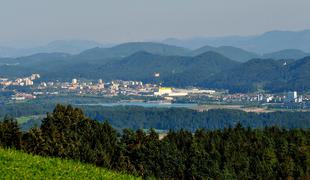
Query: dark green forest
x: 178, y: 118
x: 135, y: 117
x: 267, y: 74
x: 230, y: 153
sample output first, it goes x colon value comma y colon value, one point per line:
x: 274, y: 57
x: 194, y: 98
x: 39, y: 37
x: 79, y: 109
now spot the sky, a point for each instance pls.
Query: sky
x: 140, y: 20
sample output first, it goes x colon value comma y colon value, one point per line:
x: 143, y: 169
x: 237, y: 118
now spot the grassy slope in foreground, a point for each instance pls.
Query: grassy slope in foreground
x: 19, y: 165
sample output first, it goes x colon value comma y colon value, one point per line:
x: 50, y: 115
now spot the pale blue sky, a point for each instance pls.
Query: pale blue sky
x: 137, y: 20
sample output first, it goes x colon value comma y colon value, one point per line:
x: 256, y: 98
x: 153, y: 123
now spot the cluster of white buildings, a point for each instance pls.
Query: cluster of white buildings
x: 289, y: 97
x: 112, y: 88
x: 265, y: 98
x: 25, y: 81
x: 292, y: 97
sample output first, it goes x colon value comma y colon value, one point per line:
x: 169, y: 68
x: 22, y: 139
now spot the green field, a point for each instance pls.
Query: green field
x: 19, y: 165
x: 24, y: 119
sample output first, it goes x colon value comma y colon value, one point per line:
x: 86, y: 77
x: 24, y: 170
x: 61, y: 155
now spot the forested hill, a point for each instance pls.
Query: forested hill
x: 286, y: 54
x: 174, y: 70
x: 127, y: 49
x: 234, y: 53
x: 230, y: 153
x: 209, y: 69
x: 139, y: 66
x: 268, y: 74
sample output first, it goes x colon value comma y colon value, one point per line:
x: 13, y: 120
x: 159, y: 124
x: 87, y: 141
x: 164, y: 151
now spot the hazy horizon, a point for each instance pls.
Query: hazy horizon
x: 137, y: 20
x: 33, y: 43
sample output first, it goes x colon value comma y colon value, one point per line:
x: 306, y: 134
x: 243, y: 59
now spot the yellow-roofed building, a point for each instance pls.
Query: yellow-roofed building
x: 163, y: 90
x: 167, y: 91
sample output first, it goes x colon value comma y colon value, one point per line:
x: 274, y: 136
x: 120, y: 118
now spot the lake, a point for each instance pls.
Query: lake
x: 146, y: 104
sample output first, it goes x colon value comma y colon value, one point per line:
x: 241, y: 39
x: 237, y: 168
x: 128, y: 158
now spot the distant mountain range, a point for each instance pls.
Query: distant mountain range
x: 261, y: 44
x: 101, y: 52
x: 237, y: 54
x: 64, y: 46
x: 286, y: 54
x: 240, y: 48
x: 177, y: 67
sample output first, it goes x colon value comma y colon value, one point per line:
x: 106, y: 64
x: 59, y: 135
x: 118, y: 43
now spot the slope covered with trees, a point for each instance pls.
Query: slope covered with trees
x: 268, y: 74
x: 231, y: 153
x: 233, y: 53
x: 174, y: 70
x: 127, y: 49
x: 286, y: 54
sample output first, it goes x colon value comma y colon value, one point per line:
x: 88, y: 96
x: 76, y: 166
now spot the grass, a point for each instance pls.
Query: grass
x: 233, y: 107
x: 24, y: 119
x: 18, y: 165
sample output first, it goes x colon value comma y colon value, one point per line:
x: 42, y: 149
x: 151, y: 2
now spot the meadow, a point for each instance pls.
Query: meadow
x: 18, y: 165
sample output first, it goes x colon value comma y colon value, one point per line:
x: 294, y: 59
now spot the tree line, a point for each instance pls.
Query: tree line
x: 230, y: 153
x: 178, y: 118
x: 135, y: 117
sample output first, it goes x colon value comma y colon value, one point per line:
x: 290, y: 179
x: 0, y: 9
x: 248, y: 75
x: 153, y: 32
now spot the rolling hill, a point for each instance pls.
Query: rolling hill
x: 41, y: 63
x: 265, y: 74
x: 19, y: 165
x: 200, y: 68
x: 138, y: 66
x: 174, y: 70
x: 264, y: 43
x: 62, y: 46
x: 233, y: 53
x: 286, y: 54
x: 127, y: 49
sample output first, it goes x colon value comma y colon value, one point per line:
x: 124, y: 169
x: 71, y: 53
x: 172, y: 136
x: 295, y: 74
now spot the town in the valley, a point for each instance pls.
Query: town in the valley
x: 31, y: 87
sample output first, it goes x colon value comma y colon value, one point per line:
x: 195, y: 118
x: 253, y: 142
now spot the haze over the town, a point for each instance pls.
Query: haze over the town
x: 139, y: 20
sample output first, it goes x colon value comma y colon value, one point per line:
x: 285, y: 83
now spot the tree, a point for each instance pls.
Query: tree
x: 10, y: 134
